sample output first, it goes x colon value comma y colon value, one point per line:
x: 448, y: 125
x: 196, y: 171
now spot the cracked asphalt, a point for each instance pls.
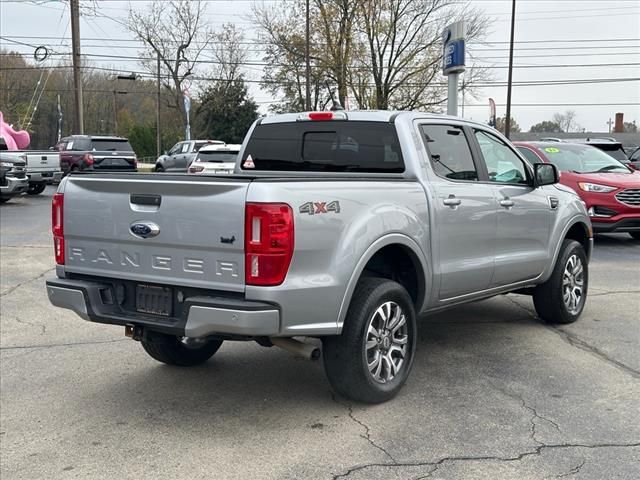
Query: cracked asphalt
x: 494, y: 393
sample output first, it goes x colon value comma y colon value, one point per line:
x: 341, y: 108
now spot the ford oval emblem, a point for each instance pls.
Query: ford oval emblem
x: 144, y: 229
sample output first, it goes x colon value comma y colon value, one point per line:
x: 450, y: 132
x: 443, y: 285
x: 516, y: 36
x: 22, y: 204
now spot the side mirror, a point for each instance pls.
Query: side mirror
x: 545, y: 174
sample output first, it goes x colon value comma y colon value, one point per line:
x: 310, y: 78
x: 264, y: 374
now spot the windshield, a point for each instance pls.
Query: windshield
x: 582, y: 159
x: 217, y: 157
x: 111, y: 145
x: 614, y: 150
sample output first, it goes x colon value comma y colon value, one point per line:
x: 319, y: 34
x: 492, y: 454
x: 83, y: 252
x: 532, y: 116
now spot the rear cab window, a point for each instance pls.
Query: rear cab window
x: 324, y: 146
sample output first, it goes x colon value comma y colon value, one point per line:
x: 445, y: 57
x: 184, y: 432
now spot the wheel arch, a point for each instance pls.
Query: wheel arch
x: 377, y: 260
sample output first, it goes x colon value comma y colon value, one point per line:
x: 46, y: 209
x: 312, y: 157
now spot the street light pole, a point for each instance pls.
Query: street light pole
x: 307, y: 61
x: 507, y: 122
x: 77, y: 78
x: 158, y: 141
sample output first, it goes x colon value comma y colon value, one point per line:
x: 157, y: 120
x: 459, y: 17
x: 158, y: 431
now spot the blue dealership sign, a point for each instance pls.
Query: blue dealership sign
x: 453, y: 48
x: 453, y: 59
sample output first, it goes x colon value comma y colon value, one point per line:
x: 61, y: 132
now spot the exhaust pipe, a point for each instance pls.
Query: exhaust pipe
x: 304, y: 350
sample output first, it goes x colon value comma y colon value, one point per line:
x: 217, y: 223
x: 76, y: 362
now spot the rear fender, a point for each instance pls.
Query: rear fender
x: 390, y: 239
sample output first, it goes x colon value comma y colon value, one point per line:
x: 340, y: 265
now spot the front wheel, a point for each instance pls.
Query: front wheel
x: 635, y: 235
x: 370, y: 361
x: 179, y: 351
x: 562, y: 297
x: 159, y: 168
x: 36, y: 188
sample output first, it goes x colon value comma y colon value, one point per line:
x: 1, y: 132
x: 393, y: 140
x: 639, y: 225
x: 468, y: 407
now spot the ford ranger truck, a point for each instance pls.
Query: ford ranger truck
x: 336, y: 229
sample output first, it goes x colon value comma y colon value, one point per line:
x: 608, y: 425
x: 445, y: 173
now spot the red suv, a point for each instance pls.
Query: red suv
x: 609, y: 189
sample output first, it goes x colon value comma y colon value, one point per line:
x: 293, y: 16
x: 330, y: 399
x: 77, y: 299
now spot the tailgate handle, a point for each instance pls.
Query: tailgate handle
x: 141, y: 199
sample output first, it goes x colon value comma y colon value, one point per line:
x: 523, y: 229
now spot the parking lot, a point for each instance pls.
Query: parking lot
x: 494, y: 393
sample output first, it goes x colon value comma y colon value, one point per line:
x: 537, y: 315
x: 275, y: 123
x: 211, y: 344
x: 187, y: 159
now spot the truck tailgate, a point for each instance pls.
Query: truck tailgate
x: 44, y: 161
x: 168, y: 230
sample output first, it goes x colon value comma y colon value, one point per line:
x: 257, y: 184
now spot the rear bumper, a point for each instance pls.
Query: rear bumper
x: 631, y: 224
x: 14, y: 186
x: 45, y: 177
x: 201, y: 316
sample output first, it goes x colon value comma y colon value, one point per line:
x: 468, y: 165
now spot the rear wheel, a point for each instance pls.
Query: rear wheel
x: 36, y: 188
x: 562, y: 297
x: 179, y: 351
x: 635, y: 235
x: 4, y: 199
x: 370, y: 361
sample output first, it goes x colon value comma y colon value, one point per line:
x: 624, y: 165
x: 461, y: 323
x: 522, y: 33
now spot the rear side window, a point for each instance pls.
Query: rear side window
x: 111, y: 145
x: 332, y: 146
x: 449, y: 152
x: 79, y: 144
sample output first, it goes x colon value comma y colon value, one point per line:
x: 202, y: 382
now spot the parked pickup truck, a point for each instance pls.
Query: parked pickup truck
x: 338, y: 226
x: 178, y: 159
x: 96, y: 153
x: 43, y: 168
x: 13, y: 176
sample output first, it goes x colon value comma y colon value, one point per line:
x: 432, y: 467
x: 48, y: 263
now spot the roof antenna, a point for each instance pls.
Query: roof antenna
x: 335, y: 103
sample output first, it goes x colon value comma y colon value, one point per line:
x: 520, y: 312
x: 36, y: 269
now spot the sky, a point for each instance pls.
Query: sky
x: 552, y: 37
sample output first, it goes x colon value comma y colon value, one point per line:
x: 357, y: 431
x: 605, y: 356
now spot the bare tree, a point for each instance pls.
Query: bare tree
x: 283, y: 33
x: 174, y: 31
x: 566, y: 121
x: 337, y: 20
x: 385, y: 54
x: 404, y: 48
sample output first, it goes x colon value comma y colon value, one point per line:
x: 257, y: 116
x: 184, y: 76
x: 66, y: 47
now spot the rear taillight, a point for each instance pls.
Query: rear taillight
x: 196, y: 168
x: 88, y: 159
x: 57, y: 227
x: 268, y: 243
x: 135, y: 162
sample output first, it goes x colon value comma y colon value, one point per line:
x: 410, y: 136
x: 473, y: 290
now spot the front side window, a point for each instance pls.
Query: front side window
x: 503, y: 165
x: 449, y: 152
x: 529, y: 155
x: 175, y: 149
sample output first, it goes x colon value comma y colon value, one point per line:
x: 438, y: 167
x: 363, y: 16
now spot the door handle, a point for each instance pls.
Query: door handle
x: 452, y: 201
x: 507, y: 203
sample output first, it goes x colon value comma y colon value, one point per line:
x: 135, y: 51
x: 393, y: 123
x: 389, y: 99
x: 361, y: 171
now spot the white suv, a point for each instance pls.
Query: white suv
x: 215, y: 159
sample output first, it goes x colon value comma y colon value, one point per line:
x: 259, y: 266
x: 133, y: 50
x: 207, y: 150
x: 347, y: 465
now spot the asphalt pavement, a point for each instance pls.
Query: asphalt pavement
x: 494, y: 393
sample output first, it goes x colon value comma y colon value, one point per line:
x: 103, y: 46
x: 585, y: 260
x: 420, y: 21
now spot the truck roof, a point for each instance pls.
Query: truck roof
x: 370, y: 116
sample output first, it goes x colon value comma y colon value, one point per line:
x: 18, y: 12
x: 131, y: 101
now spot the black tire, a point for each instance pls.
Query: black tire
x: 36, y: 188
x: 346, y: 356
x: 4, y: 199
x: 176, y: 351
x: 159, y: 169
x: 549, y: 297
x: 635, y: 235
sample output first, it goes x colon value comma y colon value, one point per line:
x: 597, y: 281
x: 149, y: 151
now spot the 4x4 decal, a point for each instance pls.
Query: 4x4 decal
x: 313, y: 208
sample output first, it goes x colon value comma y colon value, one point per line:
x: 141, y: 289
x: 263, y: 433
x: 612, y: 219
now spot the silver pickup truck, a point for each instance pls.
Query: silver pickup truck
x: 43, y: 168
x: 336, y: 229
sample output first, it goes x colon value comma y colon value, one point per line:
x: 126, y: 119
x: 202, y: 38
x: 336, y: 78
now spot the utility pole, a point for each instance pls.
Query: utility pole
x: 158, y: 140
x: 77, y: 78
x: 610, y: 123
x: 307, y: 61
x: 507, y: 123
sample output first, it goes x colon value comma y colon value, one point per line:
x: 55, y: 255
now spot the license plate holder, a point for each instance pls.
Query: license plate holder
x: 154, y: 300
